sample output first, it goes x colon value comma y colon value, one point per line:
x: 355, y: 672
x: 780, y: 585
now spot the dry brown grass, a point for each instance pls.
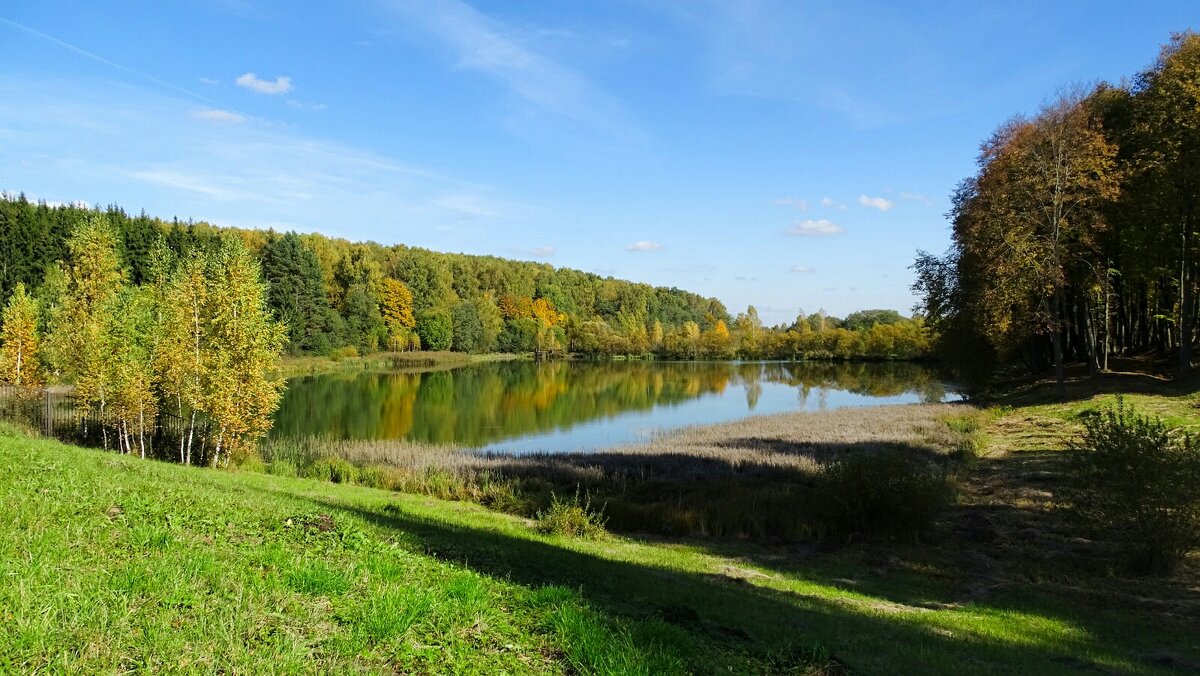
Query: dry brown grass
x: 744, y: 478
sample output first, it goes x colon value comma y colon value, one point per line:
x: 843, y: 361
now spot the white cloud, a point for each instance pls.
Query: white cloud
x: 217, y: 115
x: 828, y: 203
x: 209, y: 81
x: 82, y: 204
x: 217, y: 187
x: 303, y: 105
x: 542, y: 251
x: 879, y: 203
x: 282, y: 84
x: 127, y: 141
x: 644, y: 245
x: 800, y: 268
x: 915, y: 197
x: 800, y: 204
x: 484, y: 44
x: 814, y: 228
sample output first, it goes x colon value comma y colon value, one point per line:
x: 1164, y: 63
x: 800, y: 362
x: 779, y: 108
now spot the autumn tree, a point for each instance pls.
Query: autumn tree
x: 748, y: 329
x: 183, y: 353
x: 1032, y: 216
x: 131, y: 373
x: 717, y: 343
x: 1167, y: 120
x: 19, y: 359
x: 82, y: 333
x: 396, y: 306
x: 245, y: 342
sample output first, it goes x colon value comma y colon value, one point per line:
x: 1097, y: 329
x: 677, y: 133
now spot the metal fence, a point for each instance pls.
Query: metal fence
x: 53, y: 413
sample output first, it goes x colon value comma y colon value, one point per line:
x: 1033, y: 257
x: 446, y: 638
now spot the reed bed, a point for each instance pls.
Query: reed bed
x: 755, y: 477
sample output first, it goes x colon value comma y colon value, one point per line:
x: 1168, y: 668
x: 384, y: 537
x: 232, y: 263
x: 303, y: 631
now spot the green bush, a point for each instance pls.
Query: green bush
x: 571, y: 518
x: 886, y: 494
x: 1137, y: 484
x: 333, y: 469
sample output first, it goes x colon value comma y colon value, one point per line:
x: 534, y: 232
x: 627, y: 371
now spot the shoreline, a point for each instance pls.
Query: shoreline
x: 308, y: 365
x: 740, y: 478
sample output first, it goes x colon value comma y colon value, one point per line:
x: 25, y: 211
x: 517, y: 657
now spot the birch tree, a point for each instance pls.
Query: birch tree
x: 19, y: 359
x: 182, y: 354
x: 245, y: 344
x: 81, y: 333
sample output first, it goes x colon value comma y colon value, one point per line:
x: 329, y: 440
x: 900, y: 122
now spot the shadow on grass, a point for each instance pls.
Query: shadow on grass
x: 751, y: 488
x: 732, y: 612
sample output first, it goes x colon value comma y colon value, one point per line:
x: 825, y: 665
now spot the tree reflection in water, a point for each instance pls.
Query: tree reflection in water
x: 482, y: 404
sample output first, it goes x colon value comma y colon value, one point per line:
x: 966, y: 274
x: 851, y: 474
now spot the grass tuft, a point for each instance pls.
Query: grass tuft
x: 572, y: 518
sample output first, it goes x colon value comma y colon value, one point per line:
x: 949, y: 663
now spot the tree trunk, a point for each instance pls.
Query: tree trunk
x: 191, y: 431
x: 1185, y: 305
x: 1056, y: 340
x: 179, y: 401
x: 1091, y: 339
x: 103, y: 428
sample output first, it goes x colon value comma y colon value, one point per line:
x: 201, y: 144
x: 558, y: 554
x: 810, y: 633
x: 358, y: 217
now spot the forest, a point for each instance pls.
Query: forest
x: 1075, y: 241
x: 341, y: 298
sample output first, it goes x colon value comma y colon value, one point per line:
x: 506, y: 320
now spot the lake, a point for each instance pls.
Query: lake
x: 523, y: 406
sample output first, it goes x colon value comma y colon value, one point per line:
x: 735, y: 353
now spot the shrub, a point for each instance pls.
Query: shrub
x: 1136, y: 483
x: 885, y: 494
x: 344, y: 352
x: 571, y: 518
x: 373, y: 477
x: 333, y: 469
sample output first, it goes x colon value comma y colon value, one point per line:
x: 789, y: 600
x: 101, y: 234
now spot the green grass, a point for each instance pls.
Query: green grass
x: 384, y: 361
x: 112, y: 564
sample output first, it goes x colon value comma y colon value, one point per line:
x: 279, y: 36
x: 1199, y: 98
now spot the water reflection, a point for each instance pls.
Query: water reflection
x: 572, y: 405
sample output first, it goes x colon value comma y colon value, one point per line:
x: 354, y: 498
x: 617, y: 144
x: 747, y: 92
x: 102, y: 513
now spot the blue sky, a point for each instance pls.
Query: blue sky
x: 786, y: 154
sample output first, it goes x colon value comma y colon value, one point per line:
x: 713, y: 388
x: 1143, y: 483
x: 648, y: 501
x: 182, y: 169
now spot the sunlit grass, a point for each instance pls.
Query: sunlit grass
x: 115, y: 564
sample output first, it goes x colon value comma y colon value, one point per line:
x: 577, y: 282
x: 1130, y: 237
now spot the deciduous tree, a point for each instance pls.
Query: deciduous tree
x: 19, y: 360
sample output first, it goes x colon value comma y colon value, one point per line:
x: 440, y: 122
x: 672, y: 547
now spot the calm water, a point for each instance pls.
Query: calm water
x: 561, y: 406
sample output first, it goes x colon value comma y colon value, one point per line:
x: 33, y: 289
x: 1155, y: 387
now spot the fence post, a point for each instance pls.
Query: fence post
x: 48, y: 415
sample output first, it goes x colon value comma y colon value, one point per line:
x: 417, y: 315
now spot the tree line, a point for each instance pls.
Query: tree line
x: 195, y: 338
x: 336, y: 297
x: 1075, y: 240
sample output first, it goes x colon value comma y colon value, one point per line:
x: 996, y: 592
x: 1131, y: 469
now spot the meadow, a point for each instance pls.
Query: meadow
x: 118, y: 564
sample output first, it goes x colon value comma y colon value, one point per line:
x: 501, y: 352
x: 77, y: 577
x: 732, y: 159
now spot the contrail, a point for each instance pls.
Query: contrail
x: 113, y: 64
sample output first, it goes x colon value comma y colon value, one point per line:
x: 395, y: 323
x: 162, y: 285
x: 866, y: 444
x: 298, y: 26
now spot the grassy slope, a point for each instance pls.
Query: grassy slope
x: 111, y: 563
